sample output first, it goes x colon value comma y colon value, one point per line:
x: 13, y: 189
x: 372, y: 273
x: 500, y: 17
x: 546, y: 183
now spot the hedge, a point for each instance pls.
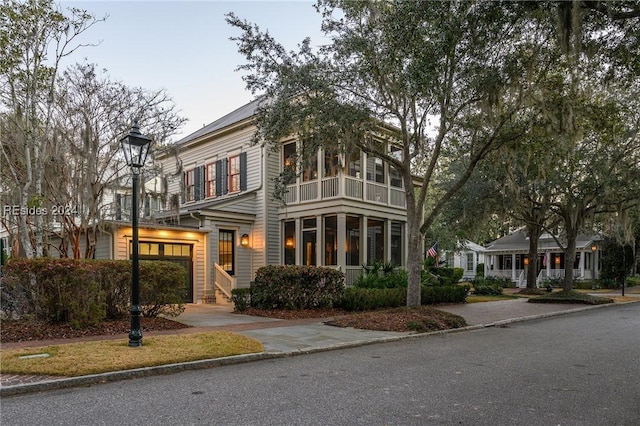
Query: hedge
x: 84, y: 292
x: 296, y: 287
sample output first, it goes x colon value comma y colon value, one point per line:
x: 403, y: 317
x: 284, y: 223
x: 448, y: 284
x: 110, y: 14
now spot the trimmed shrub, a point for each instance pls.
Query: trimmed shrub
x: 296, y: 287
x: 241, y: 298
x: 83, y: 292
x: 367, y: 299
x: 487, y: 289
x: 503, y: 282
x: 432, y: 295
x: 55, y: 290
x: 162, y: 288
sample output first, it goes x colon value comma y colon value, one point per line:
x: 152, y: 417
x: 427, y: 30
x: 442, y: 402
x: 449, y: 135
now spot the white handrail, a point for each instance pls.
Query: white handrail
x: 223, y: 281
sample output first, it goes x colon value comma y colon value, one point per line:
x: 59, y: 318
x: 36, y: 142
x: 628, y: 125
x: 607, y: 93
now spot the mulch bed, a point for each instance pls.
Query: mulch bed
x: 22, y: 331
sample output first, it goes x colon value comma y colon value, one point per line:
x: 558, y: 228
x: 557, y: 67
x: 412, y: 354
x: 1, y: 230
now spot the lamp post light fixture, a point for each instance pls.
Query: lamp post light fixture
x: 136, y: 148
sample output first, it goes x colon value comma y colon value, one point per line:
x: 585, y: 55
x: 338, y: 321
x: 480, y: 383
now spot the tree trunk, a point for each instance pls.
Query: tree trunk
x: 534, y: 232
x: 415, y: 247
x: 569, y: 257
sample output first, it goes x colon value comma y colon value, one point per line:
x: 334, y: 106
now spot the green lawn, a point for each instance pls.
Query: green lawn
x: 80, y: 359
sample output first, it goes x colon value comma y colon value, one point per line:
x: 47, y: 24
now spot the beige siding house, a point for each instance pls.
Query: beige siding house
x: 341, y: 213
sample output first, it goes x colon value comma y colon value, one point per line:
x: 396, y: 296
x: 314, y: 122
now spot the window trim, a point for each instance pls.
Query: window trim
x: 210, y: 183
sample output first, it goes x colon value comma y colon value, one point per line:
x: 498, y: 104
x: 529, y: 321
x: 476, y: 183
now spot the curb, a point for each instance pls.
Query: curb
x: 239, y: 359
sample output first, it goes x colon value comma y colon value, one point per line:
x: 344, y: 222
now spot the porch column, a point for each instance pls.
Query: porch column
x: 364, y: 254
x: 547, y: 261
x: 298, y: 237
x: 341, y: 259
x: 319, y: 240
x: 581, y: 264
x: 513, y: 267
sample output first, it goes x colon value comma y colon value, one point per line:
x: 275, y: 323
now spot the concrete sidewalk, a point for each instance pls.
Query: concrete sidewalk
x: 282, y: 338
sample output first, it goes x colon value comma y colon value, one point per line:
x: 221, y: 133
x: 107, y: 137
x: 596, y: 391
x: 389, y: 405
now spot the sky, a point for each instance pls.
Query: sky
x: 184, y: 47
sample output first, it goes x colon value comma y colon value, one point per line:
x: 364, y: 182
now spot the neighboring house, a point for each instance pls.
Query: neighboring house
x: 337, y: 212
x: 507, y: 257
x: 468, y: 257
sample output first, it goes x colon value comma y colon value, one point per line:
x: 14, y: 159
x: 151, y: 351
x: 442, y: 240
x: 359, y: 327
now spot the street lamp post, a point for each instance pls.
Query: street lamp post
x: 135, y: 147
x: 593, y: 266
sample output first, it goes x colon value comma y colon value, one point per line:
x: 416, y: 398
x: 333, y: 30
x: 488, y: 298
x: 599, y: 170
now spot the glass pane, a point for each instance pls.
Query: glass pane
x: 309, y: 248
x: 290, y: 243
x: 375, y: 240
x: 353, y: 241
x: 331, y: 240
x: 396, y: 244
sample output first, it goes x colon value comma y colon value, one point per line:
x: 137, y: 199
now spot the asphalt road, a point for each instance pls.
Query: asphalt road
x: 576, y: 369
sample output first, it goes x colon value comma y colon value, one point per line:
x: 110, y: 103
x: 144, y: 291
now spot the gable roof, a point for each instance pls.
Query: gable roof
x: 518, y: 241
x: 236, y: 116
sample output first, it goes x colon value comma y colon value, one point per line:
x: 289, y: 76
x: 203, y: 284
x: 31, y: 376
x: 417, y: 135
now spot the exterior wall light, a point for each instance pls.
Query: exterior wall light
x: 244, y: 240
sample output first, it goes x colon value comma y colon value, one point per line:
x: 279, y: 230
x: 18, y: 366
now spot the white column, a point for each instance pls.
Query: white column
x: 298, y: 238
x: 387, y: 240
x: 319, y: 240
x: 513, y: 267
x: 363, y: 241
x: 341, y: 260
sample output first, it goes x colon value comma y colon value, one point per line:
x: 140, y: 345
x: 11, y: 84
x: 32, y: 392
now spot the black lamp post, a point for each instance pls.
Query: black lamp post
x: 136, y: 147
x: 594, y: 248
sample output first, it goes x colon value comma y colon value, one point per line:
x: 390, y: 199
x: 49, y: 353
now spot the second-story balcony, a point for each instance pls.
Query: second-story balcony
x: 347, y: 187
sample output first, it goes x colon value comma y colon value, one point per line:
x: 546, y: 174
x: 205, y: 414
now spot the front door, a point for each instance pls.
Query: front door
x: 226, y: 255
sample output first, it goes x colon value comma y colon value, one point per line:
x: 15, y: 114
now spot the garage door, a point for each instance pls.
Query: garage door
x: 172, y: 252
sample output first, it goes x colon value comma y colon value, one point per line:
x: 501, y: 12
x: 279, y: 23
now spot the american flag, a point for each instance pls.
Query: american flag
x: 433, y: 251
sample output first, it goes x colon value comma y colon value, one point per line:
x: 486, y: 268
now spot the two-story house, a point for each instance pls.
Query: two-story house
x: 336, y: 212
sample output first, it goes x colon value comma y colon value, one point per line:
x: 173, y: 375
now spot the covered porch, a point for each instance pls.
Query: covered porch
x: 508, y: 258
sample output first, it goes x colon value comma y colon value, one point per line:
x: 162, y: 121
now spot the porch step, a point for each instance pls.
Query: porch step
x: 222, y: 299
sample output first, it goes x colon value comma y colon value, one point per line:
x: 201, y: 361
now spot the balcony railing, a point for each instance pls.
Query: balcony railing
x: 345, y: 186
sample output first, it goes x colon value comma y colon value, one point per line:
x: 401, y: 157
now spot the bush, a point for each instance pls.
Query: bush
x: 296, y: 287
x: 433, y: 295
x: 54, y: 290
x: 382, y: 275
x: 633, y: 281
x: 366, y: 299
x: 432, y: 275
x: 490, y: 285
x: 584, y: 284
x: 162, y: 288
x: 241, y: 298
x: 480, y: 270
x: 83, y: 292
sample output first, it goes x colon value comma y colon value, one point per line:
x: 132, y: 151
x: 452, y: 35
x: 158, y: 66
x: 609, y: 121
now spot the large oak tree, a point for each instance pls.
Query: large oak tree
x: 443, y: 79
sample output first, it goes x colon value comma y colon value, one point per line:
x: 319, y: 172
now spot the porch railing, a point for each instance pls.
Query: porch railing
x: 223, y: 281
x: 347, y: 186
